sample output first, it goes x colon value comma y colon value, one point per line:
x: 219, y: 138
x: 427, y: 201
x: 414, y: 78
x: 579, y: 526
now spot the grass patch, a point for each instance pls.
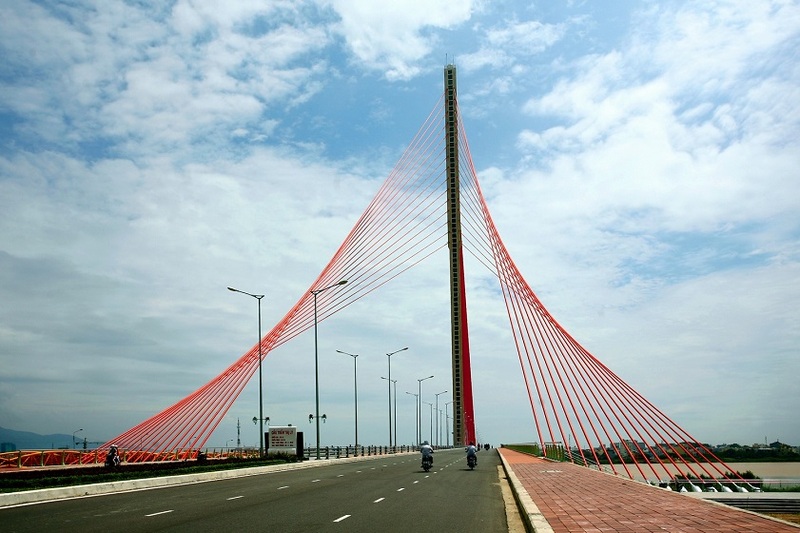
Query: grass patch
x: 531, y: 449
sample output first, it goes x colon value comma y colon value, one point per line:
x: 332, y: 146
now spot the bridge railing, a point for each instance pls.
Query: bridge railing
x: 339, y: 452
x: 69, y: 457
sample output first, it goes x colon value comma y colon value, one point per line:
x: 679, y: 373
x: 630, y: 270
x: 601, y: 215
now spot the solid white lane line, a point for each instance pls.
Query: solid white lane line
x: 160, y: 512
x: 379, y: 500
x: 235, y: 497
x: 345, y: 517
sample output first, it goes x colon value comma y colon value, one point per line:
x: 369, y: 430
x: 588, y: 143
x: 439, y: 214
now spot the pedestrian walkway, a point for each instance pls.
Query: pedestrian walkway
x: 563, y: 497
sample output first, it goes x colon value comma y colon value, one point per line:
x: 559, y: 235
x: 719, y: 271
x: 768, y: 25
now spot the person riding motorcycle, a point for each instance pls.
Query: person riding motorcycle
x: 112, y: 457
x: 427, y: 451
x: 472, y: 451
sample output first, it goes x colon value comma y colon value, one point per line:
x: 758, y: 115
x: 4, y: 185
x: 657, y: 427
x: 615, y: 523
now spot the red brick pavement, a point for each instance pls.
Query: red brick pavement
x: 577, y: 499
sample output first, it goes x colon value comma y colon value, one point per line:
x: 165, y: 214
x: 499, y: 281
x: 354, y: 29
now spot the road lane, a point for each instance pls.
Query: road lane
x: 388, y: 493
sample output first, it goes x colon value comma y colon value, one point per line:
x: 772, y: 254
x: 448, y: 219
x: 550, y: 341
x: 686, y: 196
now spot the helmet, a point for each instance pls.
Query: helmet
x: 425, y: 443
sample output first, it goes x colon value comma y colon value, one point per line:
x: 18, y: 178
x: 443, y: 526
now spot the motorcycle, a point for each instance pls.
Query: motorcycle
x: 472, y: 461
x: 112, y: 458
x: 427, y: 462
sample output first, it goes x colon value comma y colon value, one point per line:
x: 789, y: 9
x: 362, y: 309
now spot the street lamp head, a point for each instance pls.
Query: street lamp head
x: 317, y: 291
x: 256, y: 296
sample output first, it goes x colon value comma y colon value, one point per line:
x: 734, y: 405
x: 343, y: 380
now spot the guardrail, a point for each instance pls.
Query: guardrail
x: 62, y: 457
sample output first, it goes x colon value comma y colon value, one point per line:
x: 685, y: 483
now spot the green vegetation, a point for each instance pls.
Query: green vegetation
x: 532, y: 449
x: 775, y: 453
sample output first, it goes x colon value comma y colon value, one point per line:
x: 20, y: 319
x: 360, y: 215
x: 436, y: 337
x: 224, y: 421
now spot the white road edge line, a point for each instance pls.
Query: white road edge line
x: 160, y: 512
x: 345, y: 517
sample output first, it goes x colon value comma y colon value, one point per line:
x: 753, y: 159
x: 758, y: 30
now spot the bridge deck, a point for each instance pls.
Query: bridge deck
x: 573, y: 498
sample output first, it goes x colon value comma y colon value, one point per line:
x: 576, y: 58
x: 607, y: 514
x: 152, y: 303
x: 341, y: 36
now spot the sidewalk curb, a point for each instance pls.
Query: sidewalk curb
x: 534, y: 519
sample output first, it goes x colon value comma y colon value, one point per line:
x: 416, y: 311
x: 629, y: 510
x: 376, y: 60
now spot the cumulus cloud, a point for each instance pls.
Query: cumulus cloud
x: 394, y: 37
x: 643, y: 182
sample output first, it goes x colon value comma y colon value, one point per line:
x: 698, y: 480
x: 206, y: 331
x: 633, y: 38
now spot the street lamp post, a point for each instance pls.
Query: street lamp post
x: 416, y: 415
x: 260, y: 385
x: 419, y: 408
x: 447, y: 424
x: 389, y: 359
x: 438, y: 434
x: 315, y: 292
x: 431, y: 418
x: 74, y: 442
x: 355, y: 391
x: 392, y: 382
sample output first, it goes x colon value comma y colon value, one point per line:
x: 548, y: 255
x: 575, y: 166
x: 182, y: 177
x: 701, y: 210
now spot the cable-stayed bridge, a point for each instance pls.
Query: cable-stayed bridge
x: 432, y: 202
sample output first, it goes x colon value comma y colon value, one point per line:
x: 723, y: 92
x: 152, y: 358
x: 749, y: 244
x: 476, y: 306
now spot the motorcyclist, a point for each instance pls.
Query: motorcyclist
x: 472, y: 451
x: 112, y: 457
x: 427, y: 451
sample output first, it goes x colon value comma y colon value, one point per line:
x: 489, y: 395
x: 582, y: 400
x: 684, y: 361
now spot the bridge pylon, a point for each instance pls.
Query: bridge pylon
x: 463, y: 406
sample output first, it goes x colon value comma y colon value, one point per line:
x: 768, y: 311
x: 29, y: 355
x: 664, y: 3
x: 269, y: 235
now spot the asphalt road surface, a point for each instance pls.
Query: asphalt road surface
x: 387, y: 493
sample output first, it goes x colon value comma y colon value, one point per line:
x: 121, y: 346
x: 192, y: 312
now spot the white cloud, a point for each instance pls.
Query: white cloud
x: 395, y: 36
x: 150, y: 158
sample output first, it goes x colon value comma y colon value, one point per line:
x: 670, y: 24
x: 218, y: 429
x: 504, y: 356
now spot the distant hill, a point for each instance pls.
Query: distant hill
x: 25, y: 440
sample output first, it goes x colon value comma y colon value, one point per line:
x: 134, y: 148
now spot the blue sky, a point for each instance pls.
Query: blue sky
x: 640, y: 162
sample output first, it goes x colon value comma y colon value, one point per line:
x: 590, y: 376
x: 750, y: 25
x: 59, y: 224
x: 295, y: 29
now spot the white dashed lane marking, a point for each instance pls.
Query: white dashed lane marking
x: 235, y: 497
x: 345, y: 517
x: 379, y: 500
x: 160, y: 512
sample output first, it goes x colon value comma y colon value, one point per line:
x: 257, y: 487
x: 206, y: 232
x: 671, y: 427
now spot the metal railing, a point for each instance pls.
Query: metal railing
x: 69, y: 457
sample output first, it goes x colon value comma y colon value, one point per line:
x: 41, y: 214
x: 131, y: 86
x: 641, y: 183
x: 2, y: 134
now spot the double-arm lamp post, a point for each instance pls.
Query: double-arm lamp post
x: 438, y: 432
x: 315, y: 292
x: 260, y: 386
x: 389, y: 379
x: 416, y: 415
x: 419, y: 408
x: 355, y: 390
x: 447, y: 424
